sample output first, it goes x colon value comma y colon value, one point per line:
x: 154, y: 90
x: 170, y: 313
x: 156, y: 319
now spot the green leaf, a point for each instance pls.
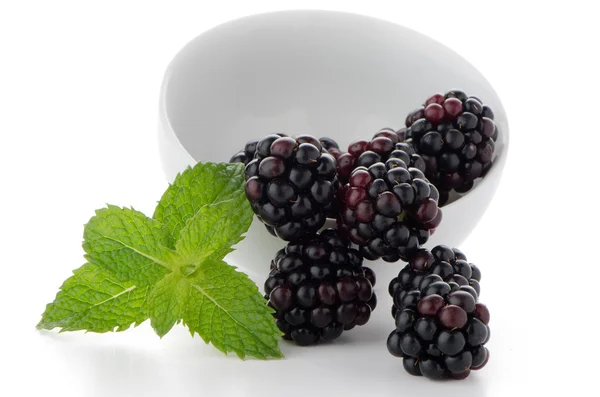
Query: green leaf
x: 214, y: 229
x: 94, y: 300
x: 169, y: 268
x: 129, y: 244
x: 168, y: 300
x: 226, y: 309
x: 204, y: 184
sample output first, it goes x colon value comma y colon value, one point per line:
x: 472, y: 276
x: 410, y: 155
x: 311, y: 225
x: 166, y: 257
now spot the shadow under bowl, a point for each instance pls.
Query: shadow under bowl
x: 321, y: 73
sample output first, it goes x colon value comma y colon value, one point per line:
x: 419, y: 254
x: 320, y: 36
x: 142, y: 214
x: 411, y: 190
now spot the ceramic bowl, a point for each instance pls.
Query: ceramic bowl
x: 312, y: 72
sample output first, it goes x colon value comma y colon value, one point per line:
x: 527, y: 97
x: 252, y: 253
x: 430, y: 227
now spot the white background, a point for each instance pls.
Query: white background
x: 78, y: 114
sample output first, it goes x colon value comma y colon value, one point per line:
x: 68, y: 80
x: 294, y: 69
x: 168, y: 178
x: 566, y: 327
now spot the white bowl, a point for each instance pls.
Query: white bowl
x: 312, y: 72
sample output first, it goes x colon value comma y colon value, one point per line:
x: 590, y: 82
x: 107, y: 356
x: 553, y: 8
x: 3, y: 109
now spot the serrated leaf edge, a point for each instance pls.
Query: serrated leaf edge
x: 55, y: 324
x: 274, y: 354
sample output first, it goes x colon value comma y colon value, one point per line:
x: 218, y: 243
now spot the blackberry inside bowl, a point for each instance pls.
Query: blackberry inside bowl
x: 320, y: 73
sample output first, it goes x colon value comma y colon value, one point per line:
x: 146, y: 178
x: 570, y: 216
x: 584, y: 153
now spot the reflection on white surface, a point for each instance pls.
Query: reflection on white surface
x: 137, y: 362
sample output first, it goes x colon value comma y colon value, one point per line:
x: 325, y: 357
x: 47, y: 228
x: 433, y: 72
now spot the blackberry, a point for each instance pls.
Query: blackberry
x: 388, y: 209
x: 385, y: 145
x: 441, y: 328
x: 291, y: 184
x: 438, y: 271
x: 319, y: 288
x: 455, y: 134
x: 438, y: 339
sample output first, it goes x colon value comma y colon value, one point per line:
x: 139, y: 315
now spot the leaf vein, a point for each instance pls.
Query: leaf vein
x: 201, y: 290
x: 155, y: 260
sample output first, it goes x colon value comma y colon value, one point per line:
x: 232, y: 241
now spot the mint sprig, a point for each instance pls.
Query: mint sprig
x: 170, y: 268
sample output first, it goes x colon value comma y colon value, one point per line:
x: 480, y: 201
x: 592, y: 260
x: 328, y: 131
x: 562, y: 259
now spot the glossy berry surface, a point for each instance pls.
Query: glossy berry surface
x: 386, y: 147
x: 291, y: 184
x: 331, y: 146
x: 246, y: 155
x: 388, y: 209
x: 441, y: 329
x: 435, y: 271
x: 455, y: 135
x: 319, y: 288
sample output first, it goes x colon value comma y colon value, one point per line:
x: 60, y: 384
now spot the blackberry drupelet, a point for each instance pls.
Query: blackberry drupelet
x: 441, y: 328
x: 440, y: 270
x: 385, y: 145
x: 388, y: 209
x: 319, y: 288
x: 247, y: 154
x: 291, y: 184
x: 455, y: 134
x: 330, y: 146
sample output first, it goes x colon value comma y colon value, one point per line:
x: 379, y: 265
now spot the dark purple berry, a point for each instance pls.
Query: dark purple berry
x: 480, y: 356
x: 282, y: 297
x: 347, y: 289
x: 306, y: 296
x: 363, y: 315
x: 449, y: 135
x: 429, y: 305
x: 304, y: 336
x: 332, y: 331
x: 431, y: 368
x: 477, y: 332
x: 296, y: 316
x: 450, y: 342
x: 438, y: 288
x: 295, y: 176
x: 410, y: 344
x: 347, y: 312
x: 411, y: 365
x: 439, y: 322
x: 482, y: 313
x: 462, y: 299
x: 393, y: 344
x: 426, y: 328
x: 321, y: 316
x: 283, y: 147
x: 460, y: 363
x: 452, y: 317
x: 318, y: 287
x: 421, y: 261
x: 404, y: 319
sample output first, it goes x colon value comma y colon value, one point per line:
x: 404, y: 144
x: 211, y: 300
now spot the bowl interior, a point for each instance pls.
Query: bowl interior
x: 307, y: 72
x: 312, y: 72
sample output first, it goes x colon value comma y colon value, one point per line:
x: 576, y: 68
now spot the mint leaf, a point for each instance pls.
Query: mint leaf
x: 94, y: 300
x: 129, y: 244
x: 169, y: 269
x: 204, y: 184
x: 226, y: 309
x: 168, y: 300
x: 214, y: 229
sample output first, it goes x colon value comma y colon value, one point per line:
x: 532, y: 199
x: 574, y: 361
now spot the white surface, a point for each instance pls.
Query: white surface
x: 317, y: 73
x: 78, y: 106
